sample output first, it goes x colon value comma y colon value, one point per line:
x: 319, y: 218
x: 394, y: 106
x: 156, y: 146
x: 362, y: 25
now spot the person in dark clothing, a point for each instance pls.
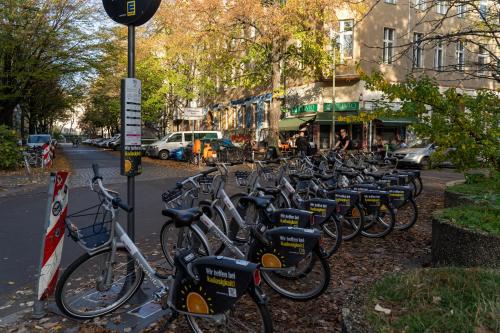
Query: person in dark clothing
x: 301, y: 144
x: 344, y: 143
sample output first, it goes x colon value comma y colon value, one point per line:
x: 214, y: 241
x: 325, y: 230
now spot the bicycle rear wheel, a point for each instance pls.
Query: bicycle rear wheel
x: 248, y: 315
x: 305, y: 281
x: 406, y: 215
x: 380, y: 223
x: 97, y: 284
x: 352, y: 222
x: 332, y: 236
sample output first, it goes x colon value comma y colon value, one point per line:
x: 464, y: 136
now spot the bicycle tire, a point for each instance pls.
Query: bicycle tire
x: 412, y: 206
x: 78, y: 263
x: 420, y: 185
x: 192, y: 238
x: 263, y: 310
x: 220, y: 221
x: 333, y: 230
x: 303, y: 276
x: 353, y: 220
x: 383, y: 212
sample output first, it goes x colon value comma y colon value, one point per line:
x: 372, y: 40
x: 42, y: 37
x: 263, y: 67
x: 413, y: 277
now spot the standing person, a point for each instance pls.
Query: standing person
x: 301, y: 144
x: 344, y: 143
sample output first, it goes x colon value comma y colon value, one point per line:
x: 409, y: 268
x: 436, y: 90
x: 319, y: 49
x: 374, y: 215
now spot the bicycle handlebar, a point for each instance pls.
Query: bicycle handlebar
x: 97, y: 175
x: 115, y: 201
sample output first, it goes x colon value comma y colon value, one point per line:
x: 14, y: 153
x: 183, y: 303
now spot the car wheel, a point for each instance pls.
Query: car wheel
x: 426, y: 163
x: 164, y: 154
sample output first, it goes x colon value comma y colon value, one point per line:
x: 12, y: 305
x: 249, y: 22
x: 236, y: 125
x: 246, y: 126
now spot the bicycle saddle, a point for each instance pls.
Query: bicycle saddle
x: 260, y: 202
x: 182, y: 217
x: 323, y: 176
x: 375, y: 175
x: 301, y: 177
x: 348, y: 174
x: 269, y: 190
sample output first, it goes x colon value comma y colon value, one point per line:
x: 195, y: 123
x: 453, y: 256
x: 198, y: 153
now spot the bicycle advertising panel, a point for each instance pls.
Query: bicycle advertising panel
x: 220, y: 282
x: 399, y: 195
x: 322, y: 209
x: 291, y: 217
x: 345, y: 199
x: 52, y: 244
x: 287, y: 247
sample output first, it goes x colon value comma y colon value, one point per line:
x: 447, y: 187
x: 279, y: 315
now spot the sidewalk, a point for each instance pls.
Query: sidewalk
x: 19, y: 181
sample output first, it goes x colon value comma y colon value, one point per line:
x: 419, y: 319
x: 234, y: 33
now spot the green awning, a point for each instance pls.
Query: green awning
x: 325, y: 118
x: 293, y: 124
x: 396, y: 121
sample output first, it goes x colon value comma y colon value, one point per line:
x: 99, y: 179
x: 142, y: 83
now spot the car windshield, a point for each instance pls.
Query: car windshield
x: 165, y: 137
x: 423, y: 144
x: 39, y: 139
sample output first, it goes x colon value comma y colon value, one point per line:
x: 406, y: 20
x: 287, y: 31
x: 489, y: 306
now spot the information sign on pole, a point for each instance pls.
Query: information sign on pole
x: 192, y: 114
x: 131, y: 127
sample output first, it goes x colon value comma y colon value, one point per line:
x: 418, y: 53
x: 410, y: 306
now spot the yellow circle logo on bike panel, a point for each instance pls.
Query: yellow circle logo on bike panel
x: 269, y: 260
x: 196, y: 303
x: 128, y: 166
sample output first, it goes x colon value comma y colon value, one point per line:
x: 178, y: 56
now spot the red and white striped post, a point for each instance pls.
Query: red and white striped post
x: 52, y: 241
x: 46, y: 159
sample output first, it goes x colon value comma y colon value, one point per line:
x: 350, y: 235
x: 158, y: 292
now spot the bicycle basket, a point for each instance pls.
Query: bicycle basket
x: 242, y: 178
x: 96, y: 226
x: 172, y: 199
x: 206, y: 184
x: 269, y: 173
x: 302, y: 186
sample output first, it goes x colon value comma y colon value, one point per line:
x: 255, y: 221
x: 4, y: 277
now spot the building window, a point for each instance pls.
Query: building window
x: 460, y: 55
x: 439, y: 57
x: 420, y: 4
x: 418, y: 50
x: 482, y: 60
x: 393, y: 2
x: 388, y: 45
x: 461, y: 10
x: 442, y: 7
x: 346, y: 41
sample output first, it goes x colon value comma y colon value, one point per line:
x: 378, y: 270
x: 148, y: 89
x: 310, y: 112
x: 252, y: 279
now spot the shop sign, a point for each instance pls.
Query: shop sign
x: 304, y: 108
x: 342, y: 106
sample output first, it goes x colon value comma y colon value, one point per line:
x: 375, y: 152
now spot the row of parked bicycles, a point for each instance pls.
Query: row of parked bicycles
x: 289, y: 218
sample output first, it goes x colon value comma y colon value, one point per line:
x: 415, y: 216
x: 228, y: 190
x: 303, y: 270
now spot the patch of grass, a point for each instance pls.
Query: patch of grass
x: 477, y: 217
x: 436, y: 300
x: 478, y: 185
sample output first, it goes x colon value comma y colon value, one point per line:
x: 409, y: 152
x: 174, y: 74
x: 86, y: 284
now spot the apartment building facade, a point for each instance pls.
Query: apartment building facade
x: 391, y: 38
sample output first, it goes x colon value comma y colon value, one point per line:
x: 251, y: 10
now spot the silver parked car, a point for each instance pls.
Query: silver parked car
x: 417, y: 154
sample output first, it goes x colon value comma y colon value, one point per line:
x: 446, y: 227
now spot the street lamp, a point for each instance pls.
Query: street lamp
x: 333, y: 36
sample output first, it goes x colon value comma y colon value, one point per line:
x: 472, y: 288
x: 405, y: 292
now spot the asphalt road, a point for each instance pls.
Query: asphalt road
x: 22, y: 216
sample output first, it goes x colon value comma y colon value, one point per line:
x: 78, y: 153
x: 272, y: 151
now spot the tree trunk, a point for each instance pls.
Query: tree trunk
x: 275, y: 112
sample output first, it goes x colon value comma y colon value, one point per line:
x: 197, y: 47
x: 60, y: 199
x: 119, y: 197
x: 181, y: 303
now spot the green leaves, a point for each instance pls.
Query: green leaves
x: 465, y: 127
x: 9, y: 151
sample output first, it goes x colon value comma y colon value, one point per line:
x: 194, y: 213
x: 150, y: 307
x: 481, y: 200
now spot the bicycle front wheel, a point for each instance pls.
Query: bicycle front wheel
x: 174, y: 239
x: 97, y: 284
x: 247, y: 315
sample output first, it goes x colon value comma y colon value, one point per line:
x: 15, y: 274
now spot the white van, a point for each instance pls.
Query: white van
x: 175, y: 140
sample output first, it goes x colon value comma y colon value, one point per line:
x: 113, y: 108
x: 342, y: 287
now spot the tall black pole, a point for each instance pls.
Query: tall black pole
x: 131, y: 179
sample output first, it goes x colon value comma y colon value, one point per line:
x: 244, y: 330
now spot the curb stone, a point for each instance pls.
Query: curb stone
x: 457, y: 246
